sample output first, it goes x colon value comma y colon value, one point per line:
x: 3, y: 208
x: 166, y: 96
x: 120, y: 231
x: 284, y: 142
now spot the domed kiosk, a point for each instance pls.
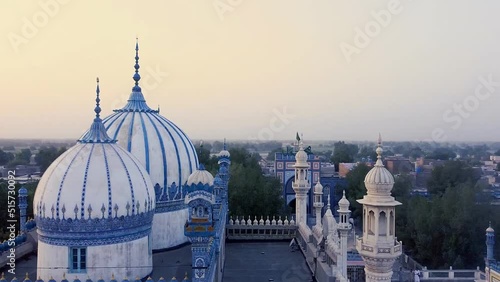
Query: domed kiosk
x: 167, y: 154
x: 94, y: 207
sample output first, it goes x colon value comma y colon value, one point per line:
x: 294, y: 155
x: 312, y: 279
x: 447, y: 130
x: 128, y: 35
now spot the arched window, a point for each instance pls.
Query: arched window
x: 371, y: 223
x: 382, y: 224
x: 391, y: 224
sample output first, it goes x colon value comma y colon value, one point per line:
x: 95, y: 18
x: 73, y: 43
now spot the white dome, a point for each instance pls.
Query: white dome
x: 92, y: 190
x: 201, y: 176
x: 161, y: 147
x: 90, y: 178
x: 379, y: 181
x: 318, y: 188
x: 301, y: 156
x: 490, y: 229
x: 224, y: 153
x: 344, y: 203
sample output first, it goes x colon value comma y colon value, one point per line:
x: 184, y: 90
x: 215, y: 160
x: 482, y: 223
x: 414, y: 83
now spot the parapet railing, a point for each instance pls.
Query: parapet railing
x: 137, y: 279
x: 241, y: 229
x: 453, y: 274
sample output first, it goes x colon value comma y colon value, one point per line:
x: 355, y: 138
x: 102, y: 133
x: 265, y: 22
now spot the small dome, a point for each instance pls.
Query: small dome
x: 344, y: 203
x: 489, y: 229
x: 200, y: 176
x: 23, y: 191
x: 224, y: 153
x: 91, y: 185
x: 379, y: 181
x: 301, y: 156
x: 318, y: 188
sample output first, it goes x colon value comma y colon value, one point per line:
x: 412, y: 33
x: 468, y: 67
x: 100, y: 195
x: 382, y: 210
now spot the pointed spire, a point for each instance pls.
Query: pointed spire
x: 379, y: 151
x: 136, y: 76
x: 97, y: 108
x: 224, y: 146
x: 97, y: 132
x: 136, y: 101
x: 328, y: 204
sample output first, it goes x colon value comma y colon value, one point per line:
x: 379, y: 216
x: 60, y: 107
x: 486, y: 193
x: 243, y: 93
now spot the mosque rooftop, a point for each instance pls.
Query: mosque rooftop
x: 264, y: 261
x: 166, y: 264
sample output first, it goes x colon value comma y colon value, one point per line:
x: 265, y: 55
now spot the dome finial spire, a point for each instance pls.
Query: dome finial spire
x: 379, y: 150
x: 328, y: 204
x: 137, y: 76
x: 224, y: 146
x: 97, y: 108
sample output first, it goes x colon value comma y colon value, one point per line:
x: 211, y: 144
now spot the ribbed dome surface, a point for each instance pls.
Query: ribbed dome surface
x: 344, y: 203
x: 161, y: 147
x: 201, y: 176
x: 379, y: 181
x: 94, y: 180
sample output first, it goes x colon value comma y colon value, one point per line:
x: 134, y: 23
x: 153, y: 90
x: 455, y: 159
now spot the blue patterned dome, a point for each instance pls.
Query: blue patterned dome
x: 92, y: 190
x: 161, y: 147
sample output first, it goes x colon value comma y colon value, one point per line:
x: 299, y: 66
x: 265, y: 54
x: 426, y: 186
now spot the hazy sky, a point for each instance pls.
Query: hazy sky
x: 241, y: 69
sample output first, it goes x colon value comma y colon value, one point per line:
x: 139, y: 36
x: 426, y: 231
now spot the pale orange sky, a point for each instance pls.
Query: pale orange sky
x: 227, y: 73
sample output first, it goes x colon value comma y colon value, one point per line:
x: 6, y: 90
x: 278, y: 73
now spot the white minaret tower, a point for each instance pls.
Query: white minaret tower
x: 301, y: 185
x: 344, y: 227
x: 318, y: 202
x: 378, y: 246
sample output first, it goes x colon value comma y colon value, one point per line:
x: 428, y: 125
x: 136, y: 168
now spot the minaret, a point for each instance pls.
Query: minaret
x: 301, y: 185
x: 318, y: 202
x: 490, y: 244
x: 23, y: 205
x: 379, y: 246
x: 344, y: 227
x: 224, y: 163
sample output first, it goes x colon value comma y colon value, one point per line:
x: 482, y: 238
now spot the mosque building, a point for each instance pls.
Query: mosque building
x: 132, y: 184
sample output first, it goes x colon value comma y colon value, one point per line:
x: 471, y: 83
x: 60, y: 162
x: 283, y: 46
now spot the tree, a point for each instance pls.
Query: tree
x: 250, y: 192
x: 5, y: 157
x: 24, y: 155
x: 442, y: 153
x: 210, y: 162
x: 355, y: 188
x: 343, y: 153
x: 450, y: 174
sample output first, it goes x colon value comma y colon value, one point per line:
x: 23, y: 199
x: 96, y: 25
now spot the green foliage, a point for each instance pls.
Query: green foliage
x: 47, y: 155
x: 356, y: 188
x: 344, y: 153
x: 210, y: 162
x: 250, y: 192
x: 442, y: 153
x: 5, y: 157
x: 450, y: 174
x: 24, y: 155
x: 448, y: 230
x: 366, y: 152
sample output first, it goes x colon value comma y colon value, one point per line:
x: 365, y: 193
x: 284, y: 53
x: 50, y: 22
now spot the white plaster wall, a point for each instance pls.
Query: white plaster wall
x: 168, y: 229
x: 124, y: 260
